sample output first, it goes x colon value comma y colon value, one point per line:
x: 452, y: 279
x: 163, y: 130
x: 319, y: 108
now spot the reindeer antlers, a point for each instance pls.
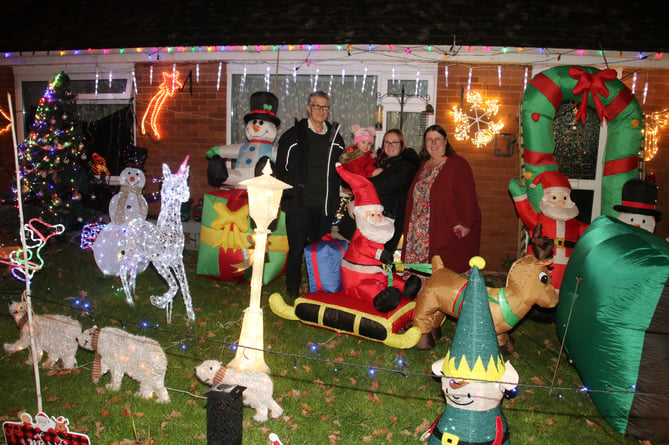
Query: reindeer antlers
x: 542, y: 246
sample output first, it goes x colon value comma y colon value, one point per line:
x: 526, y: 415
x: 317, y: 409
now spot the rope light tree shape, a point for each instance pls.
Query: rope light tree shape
x: 479, y: 117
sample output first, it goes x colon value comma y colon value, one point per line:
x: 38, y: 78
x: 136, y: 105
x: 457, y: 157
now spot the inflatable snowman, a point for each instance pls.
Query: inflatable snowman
x: 249, y: 158
x: 226, y: 232
x: 637, y: 208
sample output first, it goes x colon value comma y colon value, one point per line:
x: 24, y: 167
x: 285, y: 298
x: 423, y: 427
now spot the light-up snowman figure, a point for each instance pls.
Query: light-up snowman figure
x: 261, y: 131
x: 129, y: 203
x: 125, y: 206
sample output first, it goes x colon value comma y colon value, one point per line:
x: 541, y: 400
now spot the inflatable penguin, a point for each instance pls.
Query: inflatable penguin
x: 249, y: 158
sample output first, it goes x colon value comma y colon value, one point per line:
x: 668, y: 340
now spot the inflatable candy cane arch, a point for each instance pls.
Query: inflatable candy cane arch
x: 611, y: 99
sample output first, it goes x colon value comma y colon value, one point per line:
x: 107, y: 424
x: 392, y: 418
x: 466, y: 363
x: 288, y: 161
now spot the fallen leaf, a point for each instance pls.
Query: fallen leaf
x: 372, y: 397
x: 393, y: 420
x: 105, y: 413
x: 537, y: 381
x: 98, y: 429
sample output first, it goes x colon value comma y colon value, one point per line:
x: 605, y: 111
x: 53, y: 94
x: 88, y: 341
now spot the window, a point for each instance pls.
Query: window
x: 104, y: 104
x: 354, y: 95
x: 406, y: 99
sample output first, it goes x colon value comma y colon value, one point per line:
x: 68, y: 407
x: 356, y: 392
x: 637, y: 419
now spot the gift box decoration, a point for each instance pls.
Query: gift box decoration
x: 323, y: 261
x: 227, y: 239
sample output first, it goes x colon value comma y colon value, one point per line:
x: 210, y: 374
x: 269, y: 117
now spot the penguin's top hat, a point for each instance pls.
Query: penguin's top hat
x: 264, y: 106
x: 639, y: 196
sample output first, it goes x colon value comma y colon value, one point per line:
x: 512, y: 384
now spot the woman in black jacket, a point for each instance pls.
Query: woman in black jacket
x: 397, y: 165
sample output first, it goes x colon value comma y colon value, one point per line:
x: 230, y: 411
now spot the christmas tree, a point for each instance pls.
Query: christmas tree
x: 52, y: 159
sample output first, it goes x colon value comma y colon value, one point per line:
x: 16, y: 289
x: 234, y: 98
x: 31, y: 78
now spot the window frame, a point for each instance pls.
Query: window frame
x: 84, y: 71
x: 383, y: 72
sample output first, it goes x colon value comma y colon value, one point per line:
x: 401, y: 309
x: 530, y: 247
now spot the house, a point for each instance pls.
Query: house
x: 395, y: 64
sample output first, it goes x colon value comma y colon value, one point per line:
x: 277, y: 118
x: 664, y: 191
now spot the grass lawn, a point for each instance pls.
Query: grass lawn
x: 329, y: 396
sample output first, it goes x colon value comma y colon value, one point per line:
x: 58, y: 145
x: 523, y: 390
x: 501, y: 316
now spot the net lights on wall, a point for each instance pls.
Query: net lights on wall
x: 477, y: 118
x: 654, y: 123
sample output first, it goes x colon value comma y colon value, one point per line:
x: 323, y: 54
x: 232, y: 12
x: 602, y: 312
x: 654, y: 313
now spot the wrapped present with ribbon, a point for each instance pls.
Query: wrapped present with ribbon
x: 323, y: 261
x: 227, y: 239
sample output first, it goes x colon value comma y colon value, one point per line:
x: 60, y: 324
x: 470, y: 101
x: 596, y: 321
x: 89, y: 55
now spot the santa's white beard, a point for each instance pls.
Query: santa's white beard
x: 565, y: 213
x: 377, y: 232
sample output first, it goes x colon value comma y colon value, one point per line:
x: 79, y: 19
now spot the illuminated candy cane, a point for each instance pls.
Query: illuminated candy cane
x: 599, y: 89
x: 26, y: 264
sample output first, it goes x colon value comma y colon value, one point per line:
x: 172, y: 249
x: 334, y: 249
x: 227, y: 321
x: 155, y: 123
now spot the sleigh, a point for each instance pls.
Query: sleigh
x: 341, y: 313
x: 327, y: 306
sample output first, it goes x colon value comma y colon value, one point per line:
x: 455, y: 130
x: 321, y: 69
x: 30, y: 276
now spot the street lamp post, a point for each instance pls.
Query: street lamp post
x: 264, y: 198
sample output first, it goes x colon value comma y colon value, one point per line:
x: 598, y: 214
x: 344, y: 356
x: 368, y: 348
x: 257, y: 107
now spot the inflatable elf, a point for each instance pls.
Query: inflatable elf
x: 474, y: 377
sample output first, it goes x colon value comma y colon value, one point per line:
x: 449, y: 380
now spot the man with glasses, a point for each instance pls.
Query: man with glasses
x: 306, y: 158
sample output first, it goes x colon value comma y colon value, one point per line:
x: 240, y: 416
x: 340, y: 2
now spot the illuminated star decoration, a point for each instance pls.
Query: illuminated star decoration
x: 6, y: 128
x: 167, y: 88
x: 35, y: 241
x: 479, y: 117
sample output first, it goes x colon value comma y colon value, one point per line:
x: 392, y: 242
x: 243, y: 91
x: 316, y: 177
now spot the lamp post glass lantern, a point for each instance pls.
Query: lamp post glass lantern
x: 264, y: 193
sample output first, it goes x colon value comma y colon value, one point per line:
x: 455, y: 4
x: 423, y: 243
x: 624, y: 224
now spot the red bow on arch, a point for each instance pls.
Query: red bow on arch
x: 594, y: 83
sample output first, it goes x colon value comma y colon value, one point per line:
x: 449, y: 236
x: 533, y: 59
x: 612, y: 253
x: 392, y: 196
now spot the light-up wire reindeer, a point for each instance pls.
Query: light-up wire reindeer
x: 161, y: 244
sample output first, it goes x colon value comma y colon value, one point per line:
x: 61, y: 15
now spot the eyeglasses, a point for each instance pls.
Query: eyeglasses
x: 320, y: 107
x: 391, y: 143
x: 434, y: 141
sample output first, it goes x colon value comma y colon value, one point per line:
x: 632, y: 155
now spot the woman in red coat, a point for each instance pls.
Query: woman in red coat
x: 444, y: 214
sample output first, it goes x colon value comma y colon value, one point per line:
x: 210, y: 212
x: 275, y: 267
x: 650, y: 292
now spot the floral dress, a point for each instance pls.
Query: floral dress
x: 417, y: 237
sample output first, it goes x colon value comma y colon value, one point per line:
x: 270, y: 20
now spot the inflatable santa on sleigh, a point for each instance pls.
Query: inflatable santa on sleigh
x: 373, y: 303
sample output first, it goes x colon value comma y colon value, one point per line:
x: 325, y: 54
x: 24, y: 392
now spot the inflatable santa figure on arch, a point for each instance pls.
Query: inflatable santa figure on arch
x: 363, y: 275
x: 557, y: 217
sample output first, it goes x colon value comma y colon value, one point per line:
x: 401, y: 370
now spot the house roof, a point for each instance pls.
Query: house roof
x: 38, y: 25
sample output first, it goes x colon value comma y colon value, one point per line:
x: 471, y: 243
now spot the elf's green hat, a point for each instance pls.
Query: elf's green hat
x: 474, y: 353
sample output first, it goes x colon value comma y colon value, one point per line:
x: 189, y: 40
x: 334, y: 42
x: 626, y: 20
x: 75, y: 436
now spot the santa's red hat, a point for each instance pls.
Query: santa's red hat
x: 363, y: 190
x: 551, y: 179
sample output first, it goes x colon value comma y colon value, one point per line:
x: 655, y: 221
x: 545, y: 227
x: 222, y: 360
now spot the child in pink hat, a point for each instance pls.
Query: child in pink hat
x: 359, y: 158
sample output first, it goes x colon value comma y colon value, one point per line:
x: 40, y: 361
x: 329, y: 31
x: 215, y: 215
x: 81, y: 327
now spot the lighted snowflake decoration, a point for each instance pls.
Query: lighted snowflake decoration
x: 479, y: 117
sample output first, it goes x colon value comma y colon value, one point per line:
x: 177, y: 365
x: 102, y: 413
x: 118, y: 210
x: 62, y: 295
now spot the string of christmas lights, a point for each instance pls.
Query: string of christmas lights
x: 401, y: 366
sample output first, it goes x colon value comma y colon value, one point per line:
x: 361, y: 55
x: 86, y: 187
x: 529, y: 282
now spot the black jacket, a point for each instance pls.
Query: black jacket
x: 291, y: 166
x: 392, y: 185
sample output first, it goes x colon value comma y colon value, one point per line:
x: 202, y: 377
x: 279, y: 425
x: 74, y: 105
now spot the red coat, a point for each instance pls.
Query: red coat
x: 564, y: 234
x: 363, y: 165
x: 362, y: 272
x: 452, y: 201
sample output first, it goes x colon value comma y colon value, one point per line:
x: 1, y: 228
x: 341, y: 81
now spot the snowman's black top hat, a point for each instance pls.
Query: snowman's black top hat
x: 133, y: 156
x: 639, y: 196
x: 264, y: 106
